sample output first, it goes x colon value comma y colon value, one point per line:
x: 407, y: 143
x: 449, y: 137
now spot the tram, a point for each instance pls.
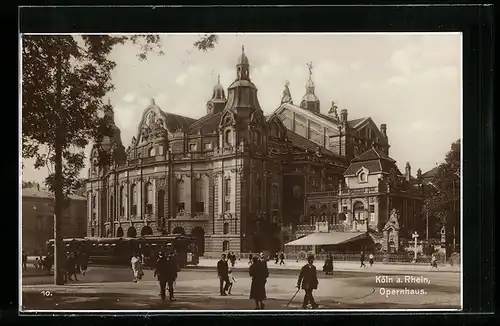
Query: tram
x: 118, y: 251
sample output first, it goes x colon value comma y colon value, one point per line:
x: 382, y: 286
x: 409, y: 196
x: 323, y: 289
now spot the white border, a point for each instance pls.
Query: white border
x: 266, y: 312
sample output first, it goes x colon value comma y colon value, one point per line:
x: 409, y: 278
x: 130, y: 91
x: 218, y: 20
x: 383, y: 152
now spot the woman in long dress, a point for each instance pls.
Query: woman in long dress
x: 136, y: 263
x: 259, y: 273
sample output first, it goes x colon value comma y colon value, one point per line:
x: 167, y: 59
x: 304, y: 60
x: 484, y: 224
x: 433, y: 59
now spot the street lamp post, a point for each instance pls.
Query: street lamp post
x: 415, y: 236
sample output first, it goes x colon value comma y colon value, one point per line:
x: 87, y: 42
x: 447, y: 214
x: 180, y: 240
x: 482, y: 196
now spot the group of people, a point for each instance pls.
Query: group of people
x: 166, y: 269
x: 279, y: 257
x: 259, y: 272
x: 362, y: 258
x: 75, y: 263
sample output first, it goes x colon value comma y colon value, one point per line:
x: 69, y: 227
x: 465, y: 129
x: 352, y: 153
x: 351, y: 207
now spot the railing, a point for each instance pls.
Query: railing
x: 322, y: 194
x: 361, y: 191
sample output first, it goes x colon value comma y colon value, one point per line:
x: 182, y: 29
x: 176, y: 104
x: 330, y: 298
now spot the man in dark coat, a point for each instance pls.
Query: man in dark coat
x: 222, y: 273
x: 166, y: 270
x: 362, y: 259
x: 308, y: 281
x: 259, y: 273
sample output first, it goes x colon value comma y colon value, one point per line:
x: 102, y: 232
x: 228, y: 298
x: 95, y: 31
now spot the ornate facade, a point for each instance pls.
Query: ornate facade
x: 234, y: 178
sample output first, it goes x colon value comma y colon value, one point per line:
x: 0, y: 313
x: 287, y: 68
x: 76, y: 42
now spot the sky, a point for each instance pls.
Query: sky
x: 411, y: 82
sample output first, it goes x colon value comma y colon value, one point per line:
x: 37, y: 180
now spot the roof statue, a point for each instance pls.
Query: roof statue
x: 310, y: 66
x: 333, y: 110
x: 287, y: 96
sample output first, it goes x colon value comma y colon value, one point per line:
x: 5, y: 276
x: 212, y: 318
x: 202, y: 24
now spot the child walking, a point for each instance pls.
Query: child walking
x: 231, y: 280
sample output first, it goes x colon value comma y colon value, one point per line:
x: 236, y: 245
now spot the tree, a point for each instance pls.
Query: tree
x: 64, y: 81
x: 443, y: 193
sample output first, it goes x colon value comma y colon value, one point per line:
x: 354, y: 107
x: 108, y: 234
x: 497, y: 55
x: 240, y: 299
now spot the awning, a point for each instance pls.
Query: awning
x: 324, y: 238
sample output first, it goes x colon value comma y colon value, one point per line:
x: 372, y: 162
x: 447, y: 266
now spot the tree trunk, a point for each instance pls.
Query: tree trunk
x: 59, y: 250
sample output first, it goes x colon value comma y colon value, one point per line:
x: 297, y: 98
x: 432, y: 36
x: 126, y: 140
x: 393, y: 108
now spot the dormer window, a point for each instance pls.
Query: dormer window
x: 363, y: 175
x: 151, y: 152
x: 192, y: 147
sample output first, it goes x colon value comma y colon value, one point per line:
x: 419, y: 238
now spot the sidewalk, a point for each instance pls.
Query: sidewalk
x: 338, y: 266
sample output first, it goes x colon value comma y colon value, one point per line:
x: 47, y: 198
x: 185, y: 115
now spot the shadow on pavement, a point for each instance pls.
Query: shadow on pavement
x: 114, y: 301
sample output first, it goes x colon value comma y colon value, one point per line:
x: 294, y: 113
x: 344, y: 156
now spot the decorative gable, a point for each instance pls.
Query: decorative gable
x: 227, y: 119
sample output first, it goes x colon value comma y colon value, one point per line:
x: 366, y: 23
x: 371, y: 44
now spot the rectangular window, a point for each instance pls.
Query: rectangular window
x: 227, y: 206
x: 208, y: 146
x: 227, y: 187
x: 344, y: 209
x: 372, y: 213
x: 133, y: 210
x: 192, y: 147
x: 199, y: 207
x: 122, y: 210
x: 149, y: 209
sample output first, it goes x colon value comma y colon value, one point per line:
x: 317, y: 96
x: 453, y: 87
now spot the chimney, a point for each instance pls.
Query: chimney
x: 408, y: 171
x: 343, y: 116
x: 383, y: 129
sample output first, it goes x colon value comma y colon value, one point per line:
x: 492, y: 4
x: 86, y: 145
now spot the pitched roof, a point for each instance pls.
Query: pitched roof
x: 176, y: 121
x: 207, y: 123
x: 374, y: 160
x: 431, y: 173
x: 372, y: 154
x: 355, y: 122
x: 44, y: 193
x: 306, y: 144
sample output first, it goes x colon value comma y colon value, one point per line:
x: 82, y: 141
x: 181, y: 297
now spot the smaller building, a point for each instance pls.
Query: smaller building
x: 38, y: 219
x: 374, y: 197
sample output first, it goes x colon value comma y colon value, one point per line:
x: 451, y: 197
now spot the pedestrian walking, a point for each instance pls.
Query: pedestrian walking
x: 434, y: 263
x: 308, y: 281
x: 231, y: 281
x: 135, y: 263
x: 84, y: 262
x: 328, y: 266
x: 370, y: 259
x: 166, y: 270
x: 250, y: 259
x: 71, y: 266
x: 276, y: 258
x: 232, y: 259
x: 259, y: 273
x: 362, y: 259
x: 282, y: 258
x: 222, y: 273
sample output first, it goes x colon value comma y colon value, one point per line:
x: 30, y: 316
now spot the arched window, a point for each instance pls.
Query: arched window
x: 225, y: 228
x: 274, y: 196
x: 133, y: 200
x: 149, y: 198
x: 180, y: 196
x: 227, y: 137
x: 151, y: 151
x: 199, y: 206
x: 225, y: 245
x: 122, y: 205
